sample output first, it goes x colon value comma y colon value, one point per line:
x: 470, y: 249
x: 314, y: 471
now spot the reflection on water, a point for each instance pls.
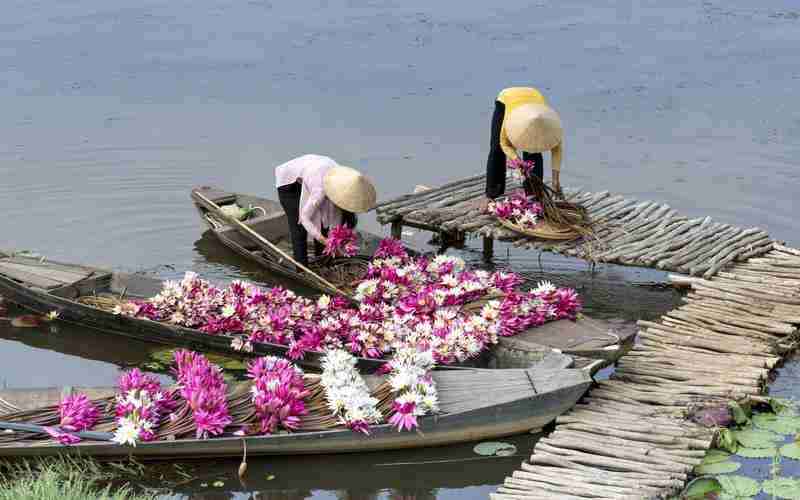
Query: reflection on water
x: 112, y: 112
x: 422, y: 474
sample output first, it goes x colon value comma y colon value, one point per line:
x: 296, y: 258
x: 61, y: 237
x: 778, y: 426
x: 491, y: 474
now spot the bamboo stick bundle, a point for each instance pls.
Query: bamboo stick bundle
x: 592, y: 475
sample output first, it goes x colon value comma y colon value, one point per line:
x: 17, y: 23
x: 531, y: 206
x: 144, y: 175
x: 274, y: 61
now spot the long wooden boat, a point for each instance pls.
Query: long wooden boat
x: 539, y: 396
x: 271, y: 225
x: 45, y: 286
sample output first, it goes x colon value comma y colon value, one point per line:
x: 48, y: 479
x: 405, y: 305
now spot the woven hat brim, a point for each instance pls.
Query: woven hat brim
x: 534, y: 128
x: 349, y: 189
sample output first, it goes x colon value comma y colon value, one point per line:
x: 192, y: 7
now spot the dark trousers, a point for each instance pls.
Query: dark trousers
x: 289, y: 196
x: 496, y: 163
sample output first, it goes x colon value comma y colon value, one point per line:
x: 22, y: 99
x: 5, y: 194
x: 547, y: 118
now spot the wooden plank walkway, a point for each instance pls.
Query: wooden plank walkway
x: 628, y: 232
x: 628, y: 438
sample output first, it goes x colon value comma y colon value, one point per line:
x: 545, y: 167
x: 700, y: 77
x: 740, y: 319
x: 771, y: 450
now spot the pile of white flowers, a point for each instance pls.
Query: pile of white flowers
x: 346, y: 392
x: 413, y: 385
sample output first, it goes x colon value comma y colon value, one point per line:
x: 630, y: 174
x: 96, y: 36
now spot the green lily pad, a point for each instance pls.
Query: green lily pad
x: 727, y: 441
x: 791, y: 450
x: 757, y: 452
x: 782, y: 406
x: 492, y: 448
x: 739, y: 414
x: 755, y: 438
x: 738, y: 487
x: 699, y: 487
x: 782, y: 424
x: 714, y: 456
x: 782, y: 487
x: 717, y: 468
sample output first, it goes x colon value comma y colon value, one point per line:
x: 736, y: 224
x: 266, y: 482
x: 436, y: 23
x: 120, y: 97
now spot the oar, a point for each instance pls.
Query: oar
x: 247, y: 230
x: 95, y: 436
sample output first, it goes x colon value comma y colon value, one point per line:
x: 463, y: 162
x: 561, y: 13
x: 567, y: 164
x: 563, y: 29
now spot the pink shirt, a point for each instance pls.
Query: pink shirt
x: 316, y: 210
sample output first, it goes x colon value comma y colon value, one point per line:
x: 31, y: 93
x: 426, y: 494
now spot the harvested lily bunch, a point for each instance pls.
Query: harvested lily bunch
x: 436, y: 305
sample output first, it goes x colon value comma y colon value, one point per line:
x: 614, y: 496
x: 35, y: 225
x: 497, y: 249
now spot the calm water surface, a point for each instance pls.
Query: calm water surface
x: 112, y: 110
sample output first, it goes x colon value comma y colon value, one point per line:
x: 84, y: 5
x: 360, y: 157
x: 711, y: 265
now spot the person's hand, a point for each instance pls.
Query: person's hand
x: 483, y: 204
x: 323, y: 240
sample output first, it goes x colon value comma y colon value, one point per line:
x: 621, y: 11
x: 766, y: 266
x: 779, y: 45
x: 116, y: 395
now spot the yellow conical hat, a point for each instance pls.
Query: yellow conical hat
x: 534, y: 128
x: 349, y: 189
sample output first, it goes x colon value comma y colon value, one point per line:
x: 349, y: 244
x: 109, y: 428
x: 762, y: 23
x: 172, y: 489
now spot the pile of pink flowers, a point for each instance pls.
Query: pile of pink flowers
x: 413, y: 386
x: 278, y: 392
x: 77, y: 413
x: 202, y: 386
x: 518, y: 209
x: 140, y: 405
x: 522, y: 166
x: 342, y: 241
x: 404, y: 302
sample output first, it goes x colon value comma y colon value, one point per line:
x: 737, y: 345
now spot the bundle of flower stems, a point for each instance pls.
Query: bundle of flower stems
x: 558, y: 212
x: 240, y: 407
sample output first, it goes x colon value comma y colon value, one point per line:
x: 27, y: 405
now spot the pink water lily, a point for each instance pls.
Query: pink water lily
x: 403, y: 417
x: 203, y: 388
x: 342, y: 241
x: 403, y: 301
x: 140, y: 405
x: 278, y: 392
x: 64, y: 438
x: 77, y: 413
x: 519, y: 209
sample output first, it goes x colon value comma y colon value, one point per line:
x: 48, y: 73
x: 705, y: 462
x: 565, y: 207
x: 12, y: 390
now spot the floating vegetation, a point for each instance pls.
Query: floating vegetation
x: 791, y: 450
x: 782, y: 487
x: 759, y: 436
x: 725, y: 467
x: 495, y: 448
x: 738, y: 487
x: 754, y: 438
x: 781, y: 424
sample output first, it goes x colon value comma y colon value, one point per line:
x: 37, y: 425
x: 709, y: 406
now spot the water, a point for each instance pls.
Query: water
x: 111, y: 112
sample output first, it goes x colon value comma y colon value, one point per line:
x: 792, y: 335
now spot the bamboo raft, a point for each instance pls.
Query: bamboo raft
x: 626, y: 231
x: 629, y: 437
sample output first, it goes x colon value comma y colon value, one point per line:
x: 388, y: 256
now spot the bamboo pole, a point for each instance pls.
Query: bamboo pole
x: 244, y: 228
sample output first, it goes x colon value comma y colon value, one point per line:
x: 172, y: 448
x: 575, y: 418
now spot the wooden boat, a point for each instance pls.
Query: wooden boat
x: 271, y: 225
x: 45, y: 286
x: 473, y: 407
x: 584, y: 338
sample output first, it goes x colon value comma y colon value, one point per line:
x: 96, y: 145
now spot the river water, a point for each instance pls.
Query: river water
x: 112, y: 110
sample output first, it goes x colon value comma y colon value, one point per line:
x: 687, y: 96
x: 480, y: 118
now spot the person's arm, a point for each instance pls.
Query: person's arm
x: 508, y: 148
x: 308, y: 211
x: 556, y: 155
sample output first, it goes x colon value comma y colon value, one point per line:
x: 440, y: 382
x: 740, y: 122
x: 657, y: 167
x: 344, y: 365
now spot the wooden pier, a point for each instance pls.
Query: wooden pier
x: 629, y: 437
x: 627, y: 231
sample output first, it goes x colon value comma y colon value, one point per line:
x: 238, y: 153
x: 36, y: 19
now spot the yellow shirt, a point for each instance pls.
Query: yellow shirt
x: 512, y: 98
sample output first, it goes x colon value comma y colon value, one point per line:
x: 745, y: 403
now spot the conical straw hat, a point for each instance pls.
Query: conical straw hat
x: 534, y: 128
x: 348, y: 189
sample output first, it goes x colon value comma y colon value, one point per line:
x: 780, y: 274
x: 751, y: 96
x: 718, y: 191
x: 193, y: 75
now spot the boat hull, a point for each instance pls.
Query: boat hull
x: 495, y: 421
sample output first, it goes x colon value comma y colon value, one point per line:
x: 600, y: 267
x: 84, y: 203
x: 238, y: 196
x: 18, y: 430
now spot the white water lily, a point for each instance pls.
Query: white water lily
x: 127, y: 432
x: 323, y: 302
x: 544, y: 287
x: 346, y: 392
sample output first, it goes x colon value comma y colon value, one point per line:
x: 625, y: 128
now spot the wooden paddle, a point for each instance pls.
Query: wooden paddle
x: 244, y: 228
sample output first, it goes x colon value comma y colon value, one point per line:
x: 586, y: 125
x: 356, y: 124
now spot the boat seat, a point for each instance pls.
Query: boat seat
x: 41, y: 274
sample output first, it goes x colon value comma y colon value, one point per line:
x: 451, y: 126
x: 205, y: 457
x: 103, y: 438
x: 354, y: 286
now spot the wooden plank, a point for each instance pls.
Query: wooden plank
x: 31, y: 279
x: 45, y: 271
